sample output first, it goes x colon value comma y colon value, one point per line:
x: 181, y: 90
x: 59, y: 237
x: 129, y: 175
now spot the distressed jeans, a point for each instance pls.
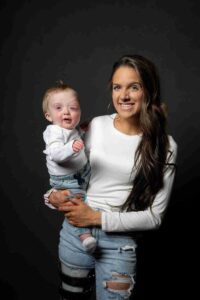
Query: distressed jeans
x: 114, y: 260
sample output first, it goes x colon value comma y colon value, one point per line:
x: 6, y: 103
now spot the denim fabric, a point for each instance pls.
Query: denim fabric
x: 76, y: 183
x: 115, y: 255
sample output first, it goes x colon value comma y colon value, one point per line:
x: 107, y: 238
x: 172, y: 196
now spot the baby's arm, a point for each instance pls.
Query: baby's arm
x: 56, y: 148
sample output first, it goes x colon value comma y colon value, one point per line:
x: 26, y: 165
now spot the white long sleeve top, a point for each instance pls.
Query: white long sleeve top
x: 60, y: 156
x: 111, y: 154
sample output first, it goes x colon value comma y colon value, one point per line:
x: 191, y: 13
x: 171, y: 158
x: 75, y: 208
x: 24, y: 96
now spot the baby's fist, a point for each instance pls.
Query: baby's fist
x: 77, y: 145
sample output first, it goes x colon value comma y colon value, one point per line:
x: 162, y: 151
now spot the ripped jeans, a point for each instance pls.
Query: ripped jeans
x: 114, y: 260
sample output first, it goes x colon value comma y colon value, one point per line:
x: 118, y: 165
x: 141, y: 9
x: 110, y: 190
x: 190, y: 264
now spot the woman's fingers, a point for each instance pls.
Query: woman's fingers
x: 57, y: 198
x: 65, y: 194
x: 66, y: 207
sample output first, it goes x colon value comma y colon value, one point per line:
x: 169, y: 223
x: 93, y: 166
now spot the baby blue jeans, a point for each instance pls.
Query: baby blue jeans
x: 114, y: 260
x: 76, y: 184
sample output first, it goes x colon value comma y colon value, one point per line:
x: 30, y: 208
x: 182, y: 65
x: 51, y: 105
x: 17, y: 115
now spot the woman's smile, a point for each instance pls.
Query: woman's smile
x: 127, y: 92
x: 126, y: 106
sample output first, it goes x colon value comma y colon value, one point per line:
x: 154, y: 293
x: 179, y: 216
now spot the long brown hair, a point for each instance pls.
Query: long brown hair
x: 151, y: 154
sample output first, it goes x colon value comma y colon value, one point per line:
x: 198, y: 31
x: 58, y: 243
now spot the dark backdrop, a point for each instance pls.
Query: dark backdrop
x: 78, y: 41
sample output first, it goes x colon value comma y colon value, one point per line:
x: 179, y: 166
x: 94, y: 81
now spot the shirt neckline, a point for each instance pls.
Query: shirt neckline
x: 122, y: 133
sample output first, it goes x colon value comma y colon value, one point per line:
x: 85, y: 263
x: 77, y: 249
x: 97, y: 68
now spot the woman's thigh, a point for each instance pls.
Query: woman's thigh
x: 114, y: 261
x: 71, y: 251
x: 115, y: 266
x: 77, y: 276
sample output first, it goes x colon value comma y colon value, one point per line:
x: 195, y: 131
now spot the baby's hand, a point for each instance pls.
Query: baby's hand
x: 77, y: 145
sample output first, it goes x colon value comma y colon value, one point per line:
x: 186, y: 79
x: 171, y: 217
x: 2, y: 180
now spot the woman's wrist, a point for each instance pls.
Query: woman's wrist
x: 96, y: 219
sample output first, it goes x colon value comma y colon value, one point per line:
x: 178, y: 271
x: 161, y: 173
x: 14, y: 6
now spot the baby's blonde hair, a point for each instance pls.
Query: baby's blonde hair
x: 59, y: 86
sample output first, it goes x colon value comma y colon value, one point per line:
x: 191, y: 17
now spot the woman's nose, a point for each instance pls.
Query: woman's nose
x: 124, y: 95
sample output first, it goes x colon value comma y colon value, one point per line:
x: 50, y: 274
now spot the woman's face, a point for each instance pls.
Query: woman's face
x: 127, y: 92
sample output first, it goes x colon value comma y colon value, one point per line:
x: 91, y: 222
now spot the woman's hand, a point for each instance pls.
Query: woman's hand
x: 58, y: 198
x: 80, y: 214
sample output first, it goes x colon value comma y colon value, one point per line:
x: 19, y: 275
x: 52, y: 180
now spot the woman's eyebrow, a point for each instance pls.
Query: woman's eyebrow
x: 131, y: 83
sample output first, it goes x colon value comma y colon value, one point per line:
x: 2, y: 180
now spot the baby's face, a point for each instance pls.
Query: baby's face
x: 64, y: 109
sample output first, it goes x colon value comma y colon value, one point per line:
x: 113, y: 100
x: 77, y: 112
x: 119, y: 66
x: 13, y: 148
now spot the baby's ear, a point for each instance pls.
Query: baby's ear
x: 47, y: 116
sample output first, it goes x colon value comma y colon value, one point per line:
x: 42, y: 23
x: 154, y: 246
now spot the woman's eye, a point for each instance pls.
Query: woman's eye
x: 116, y: 87
x: 135, y: 87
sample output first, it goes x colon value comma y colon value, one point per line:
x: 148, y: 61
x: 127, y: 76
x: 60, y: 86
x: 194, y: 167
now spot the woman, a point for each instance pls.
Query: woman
x: 132, y: 172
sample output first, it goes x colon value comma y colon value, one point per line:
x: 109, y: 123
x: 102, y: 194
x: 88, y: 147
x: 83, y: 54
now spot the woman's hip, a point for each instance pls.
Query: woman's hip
x: 113, y: 246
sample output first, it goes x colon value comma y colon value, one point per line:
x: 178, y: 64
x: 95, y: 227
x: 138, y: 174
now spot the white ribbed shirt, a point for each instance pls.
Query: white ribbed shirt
x: 111, y: 154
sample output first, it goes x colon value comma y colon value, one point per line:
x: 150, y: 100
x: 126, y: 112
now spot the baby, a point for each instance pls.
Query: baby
x: 66, y: 160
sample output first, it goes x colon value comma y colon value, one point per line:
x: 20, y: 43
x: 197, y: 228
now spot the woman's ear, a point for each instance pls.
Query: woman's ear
x: 47, y: 116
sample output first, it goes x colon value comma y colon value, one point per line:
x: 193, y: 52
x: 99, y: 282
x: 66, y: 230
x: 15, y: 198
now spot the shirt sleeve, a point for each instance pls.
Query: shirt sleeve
x: 151, y: 218
x: 56, y: 149
x: 87, y: 138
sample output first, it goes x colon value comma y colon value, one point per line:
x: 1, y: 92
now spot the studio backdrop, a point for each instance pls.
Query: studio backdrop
x: 78, y: 42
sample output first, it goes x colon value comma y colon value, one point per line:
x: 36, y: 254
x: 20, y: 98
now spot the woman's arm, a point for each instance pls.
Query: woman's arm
x: 81, y: 215
x: 151, y: 218
x: 148, y: 219
x: 78, y: 212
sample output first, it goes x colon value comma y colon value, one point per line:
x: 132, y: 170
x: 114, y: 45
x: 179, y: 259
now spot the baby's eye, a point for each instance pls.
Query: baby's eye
x: 75, y: 108
x: 58, y: 107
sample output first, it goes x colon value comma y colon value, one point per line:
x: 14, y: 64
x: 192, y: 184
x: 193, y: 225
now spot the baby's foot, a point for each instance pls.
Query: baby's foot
x: 90, y: 244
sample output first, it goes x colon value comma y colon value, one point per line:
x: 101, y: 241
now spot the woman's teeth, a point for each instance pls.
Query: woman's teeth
x: 126, y: 105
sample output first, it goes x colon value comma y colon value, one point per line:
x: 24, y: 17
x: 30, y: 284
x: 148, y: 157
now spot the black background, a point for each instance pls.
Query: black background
x: 78, y: 41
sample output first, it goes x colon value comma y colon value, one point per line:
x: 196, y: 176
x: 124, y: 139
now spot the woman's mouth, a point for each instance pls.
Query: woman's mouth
x: 126, y: 106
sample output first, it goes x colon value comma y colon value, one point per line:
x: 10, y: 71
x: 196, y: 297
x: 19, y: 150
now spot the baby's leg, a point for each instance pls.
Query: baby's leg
x: 88, y: 241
